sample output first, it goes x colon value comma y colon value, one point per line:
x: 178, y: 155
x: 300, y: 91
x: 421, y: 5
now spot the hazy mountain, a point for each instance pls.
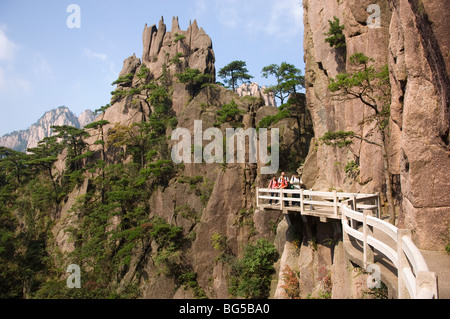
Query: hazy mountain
x: 21, y: 140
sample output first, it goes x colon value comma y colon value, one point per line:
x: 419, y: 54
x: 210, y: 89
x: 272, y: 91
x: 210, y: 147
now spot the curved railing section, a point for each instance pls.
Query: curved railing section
x: 360, y: 216
x: 415, y: 281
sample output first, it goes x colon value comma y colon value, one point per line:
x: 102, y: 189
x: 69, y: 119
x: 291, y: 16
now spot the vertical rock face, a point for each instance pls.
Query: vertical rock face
x: 420, y: 64
x: 412, y: 40
x: 323, y: 63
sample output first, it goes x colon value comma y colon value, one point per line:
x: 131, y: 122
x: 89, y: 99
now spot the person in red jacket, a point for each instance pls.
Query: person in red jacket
x: 273, y: 185
x: 283, y: 182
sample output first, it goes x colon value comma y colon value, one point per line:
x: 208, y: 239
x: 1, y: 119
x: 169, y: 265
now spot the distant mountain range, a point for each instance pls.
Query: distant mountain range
x: 29, y: 138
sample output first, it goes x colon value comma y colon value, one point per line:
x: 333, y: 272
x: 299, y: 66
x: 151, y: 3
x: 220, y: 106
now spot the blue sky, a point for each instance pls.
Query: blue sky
x: 44, y: 64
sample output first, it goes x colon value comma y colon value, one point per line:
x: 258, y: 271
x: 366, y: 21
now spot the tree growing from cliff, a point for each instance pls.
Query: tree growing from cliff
x: 44, y: 156
x: 371, y: 86
x: 336, y: 38
x: 72, y: 138
x: 12, y: 161
x: 194, y: 80
x: 234, y: 72
x: 289, y: 80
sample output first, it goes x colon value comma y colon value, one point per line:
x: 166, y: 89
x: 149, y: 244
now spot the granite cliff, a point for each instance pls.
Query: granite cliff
x: 411, y: 40
x: 208, y: 202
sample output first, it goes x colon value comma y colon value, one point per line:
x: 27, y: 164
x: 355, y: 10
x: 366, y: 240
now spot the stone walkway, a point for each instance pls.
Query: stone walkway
x: 439, y: 262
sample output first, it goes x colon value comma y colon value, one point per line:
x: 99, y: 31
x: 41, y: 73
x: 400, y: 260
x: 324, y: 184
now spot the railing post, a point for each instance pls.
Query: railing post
x: 426, y: 284
x: 281, y: 199
x: 257, y: 196
x: 378, y: 201
x: 368, y: 258
x: 302, y: 205
x: 402, y: 263
x: 335, y: 203
x: 354, y: 203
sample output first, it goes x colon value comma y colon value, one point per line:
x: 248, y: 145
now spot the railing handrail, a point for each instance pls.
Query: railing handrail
x: 310, y: 198
x: 419, y: 282
x: 359, y: 196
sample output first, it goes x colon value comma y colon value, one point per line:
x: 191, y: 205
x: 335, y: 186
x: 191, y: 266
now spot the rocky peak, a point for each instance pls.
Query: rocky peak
x: 29, y: 138
x: 86, y: 117
x: 253, y: 89
x: 164, y: 52
x: 162, y: 46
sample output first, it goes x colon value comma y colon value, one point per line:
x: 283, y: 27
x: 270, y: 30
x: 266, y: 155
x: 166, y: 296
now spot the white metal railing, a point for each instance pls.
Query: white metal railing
x: 308, y: 200
x: 413, y: 275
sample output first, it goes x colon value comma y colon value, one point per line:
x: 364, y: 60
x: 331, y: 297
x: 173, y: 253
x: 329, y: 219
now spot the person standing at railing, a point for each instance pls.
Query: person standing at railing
x: 273, y: 185
x: 282, y: 178
x: 283, y: 181
x: 295, y: 184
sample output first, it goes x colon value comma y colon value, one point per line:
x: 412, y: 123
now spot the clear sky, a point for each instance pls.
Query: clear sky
x: 45, y: 64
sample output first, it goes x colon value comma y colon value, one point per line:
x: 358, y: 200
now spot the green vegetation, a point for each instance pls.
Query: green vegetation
x: 102, y: 109
x: 220, y: 245
x: 289, y: 80
x: 143, y: 73
x: 336, y: 38
x: 176, y: 59
x: 124, y: 80
x: 194, y: 79
x: 339, y: 138
x: 179, y: 37
x: 352, y: 169
x: 251, y: 275
x: 114, y: 169
x: 229, y: 113
x: 267, y: 121
x: 114, y: 228
x: 234, y: 72
x: 378, y: 293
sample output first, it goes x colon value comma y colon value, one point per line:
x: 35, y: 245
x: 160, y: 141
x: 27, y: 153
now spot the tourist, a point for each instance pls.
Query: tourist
x: 273, y: 185
x: 295, y: 182
x: 283, y: 182
x: 283, y: 177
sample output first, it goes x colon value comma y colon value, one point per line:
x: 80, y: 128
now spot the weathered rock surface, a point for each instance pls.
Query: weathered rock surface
x: 419, y: 61
x: 161, y: 46
x: 253, y: 89
x: 412, y: 40
x: 328, y: 114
